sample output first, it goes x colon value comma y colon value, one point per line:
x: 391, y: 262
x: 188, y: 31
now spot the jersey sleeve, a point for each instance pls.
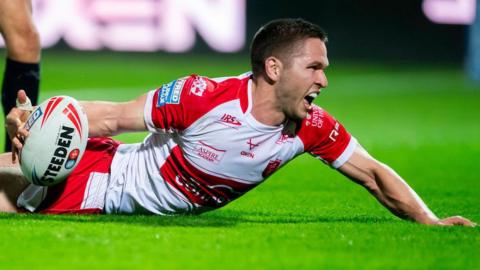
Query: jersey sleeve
x: 325, y: 138
x: 175, y: 105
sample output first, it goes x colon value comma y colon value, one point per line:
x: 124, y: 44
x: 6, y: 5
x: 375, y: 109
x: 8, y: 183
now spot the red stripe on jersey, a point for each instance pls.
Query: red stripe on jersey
x: 243, y: 95
x: 200, y: 188
x: 323, y: 136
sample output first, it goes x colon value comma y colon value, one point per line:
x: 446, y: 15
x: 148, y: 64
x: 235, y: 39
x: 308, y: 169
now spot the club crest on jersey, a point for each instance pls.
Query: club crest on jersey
x: 170, y: 93
x: 199, y: 85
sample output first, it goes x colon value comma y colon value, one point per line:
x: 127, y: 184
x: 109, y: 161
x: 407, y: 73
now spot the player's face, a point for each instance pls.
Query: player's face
x: 303, y: 79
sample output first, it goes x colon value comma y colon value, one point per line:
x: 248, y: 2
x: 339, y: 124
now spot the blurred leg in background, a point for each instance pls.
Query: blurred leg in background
x: 473, y: 60
x: 22, y: 67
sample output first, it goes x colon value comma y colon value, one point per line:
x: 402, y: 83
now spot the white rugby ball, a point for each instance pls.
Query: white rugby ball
x: 58, y: 136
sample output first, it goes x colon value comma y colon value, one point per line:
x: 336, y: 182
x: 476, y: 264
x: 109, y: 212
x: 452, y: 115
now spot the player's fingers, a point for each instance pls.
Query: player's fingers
x: 23, y: 133
x: 13, y: 115
x: 13, y: 155
x: 23, y: 102
x: 456, y: 220
x: 17, y: 144
x: 21, y: 96
x: 16, y: 147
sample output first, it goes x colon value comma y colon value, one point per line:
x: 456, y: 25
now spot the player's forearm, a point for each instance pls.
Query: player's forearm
x: 393, y: 192
x: 111, y: 118
x: 102, y: 118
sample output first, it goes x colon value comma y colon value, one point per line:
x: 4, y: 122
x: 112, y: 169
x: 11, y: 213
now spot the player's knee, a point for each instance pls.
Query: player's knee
x: 24, y: 45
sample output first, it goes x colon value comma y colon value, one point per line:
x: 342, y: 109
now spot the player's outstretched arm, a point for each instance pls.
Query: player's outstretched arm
x: 112, y: 118
x: 392, y: 191
x: 104, y: 118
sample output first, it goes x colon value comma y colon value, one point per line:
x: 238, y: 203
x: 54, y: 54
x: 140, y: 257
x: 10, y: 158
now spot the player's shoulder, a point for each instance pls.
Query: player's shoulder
x: 317, y: 126
x: 201, y: 90
x: 200, y: 86
x: 206, y: 93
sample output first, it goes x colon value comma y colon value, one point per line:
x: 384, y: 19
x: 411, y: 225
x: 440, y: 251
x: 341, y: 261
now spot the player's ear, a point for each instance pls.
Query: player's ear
x: 273, y: 68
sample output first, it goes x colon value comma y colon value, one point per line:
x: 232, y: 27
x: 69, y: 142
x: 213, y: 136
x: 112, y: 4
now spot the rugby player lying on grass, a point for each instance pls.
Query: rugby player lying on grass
x: 213, y: 140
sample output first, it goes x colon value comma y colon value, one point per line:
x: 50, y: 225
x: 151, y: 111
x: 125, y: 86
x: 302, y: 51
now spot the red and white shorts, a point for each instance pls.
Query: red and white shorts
x: 83, y: 192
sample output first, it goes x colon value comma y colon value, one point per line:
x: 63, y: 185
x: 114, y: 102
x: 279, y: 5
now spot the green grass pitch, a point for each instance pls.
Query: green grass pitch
x: 422, y: 120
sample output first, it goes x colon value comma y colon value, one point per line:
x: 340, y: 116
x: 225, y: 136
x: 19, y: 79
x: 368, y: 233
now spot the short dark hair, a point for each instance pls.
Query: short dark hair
x: 279, y: 38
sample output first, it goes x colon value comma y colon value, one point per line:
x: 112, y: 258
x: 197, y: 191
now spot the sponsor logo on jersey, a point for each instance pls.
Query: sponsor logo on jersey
x: 199, y: 85
x: 170, y: 93
x: 315, y: 119
x: 230, y: 120
x: 191, y: 186
x: 209, y: 153
x: 251, y: 144
x: 247, y: 154
x: 272, y: 166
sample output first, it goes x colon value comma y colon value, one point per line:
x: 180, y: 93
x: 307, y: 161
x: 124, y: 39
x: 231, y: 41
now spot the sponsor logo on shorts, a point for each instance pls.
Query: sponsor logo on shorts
x: 199, y: 86
x: 272, y: 166
x: 209, y: 153
x: 170, y: 93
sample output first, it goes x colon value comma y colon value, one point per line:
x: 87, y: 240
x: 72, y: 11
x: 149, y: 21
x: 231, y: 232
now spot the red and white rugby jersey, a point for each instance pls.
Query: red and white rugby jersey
x: 206, y: 149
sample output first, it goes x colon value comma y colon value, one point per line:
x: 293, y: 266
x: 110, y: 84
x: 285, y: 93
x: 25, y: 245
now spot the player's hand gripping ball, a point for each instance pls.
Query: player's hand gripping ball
x: 58, y: 136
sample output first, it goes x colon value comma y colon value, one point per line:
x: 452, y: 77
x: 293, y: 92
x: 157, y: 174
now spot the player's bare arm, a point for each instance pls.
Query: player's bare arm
x: 112, y: 118
x: 105, y: 119
x: 392, y: 191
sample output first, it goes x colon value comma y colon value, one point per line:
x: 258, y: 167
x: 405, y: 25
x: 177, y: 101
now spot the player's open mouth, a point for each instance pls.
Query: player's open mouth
x: 309, y: 98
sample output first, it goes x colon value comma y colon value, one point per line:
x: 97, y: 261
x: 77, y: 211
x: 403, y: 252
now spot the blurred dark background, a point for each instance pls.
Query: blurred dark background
x: 370, y: 29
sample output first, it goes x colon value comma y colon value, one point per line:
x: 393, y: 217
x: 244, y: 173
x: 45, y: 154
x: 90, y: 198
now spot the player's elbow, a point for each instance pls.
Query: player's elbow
x: 372, y: 181
x: 371, y: 185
